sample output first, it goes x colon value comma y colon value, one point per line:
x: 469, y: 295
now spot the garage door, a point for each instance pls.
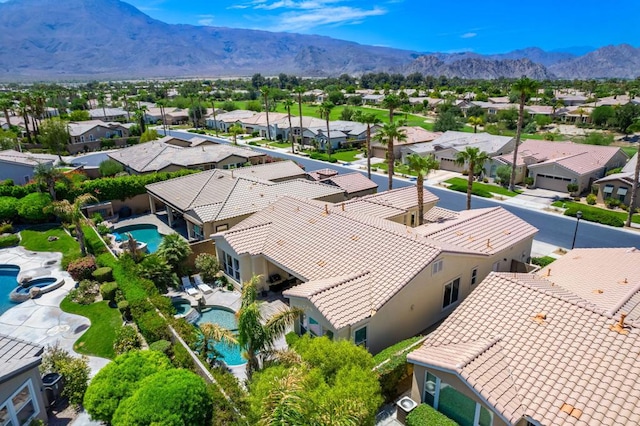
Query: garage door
x: 552, y: 183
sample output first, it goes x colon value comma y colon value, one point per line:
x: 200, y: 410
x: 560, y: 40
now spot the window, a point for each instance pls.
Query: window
x: 197, y: 231
x: 622, y: 192
x: 93, y: 138
x: 451, y: 293
x: 231, y: 266
x: 608, y: 189
x: 27, y: 179
x: 437, y: 267
x: 221, y: 228
x: 474, y: 276
x: 21, y: 408
x: 314, y: 327
x: 430, y: 385
x: 360, y: 337
x: 454, y: 404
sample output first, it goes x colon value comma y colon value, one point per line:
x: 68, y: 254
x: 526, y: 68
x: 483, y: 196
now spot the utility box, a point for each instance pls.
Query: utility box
x: 404, y: 406
x: 53, y: 384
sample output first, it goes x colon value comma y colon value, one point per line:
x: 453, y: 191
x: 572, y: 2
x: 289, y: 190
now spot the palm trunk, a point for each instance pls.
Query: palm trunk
x: 266, y: 108
x: 80, y: 235
x: 215, y: 121
x: 512, y: 179
x: 26, y: 124
x: 390, y: 115
x: 6, y: 115
x: 634, y: 189
x: 369, y: 151
x: 391, y: 159
x: 293, y: 148
x: 420, y: 184
x: 300, y: 112
x: 328, y: 138
x: 470, y: 184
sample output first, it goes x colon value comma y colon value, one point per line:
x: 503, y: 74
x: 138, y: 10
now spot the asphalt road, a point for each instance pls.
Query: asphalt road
x: 553, y: 228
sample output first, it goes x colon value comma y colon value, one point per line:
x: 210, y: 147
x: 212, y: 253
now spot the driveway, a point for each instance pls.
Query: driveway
x: 537, y: 197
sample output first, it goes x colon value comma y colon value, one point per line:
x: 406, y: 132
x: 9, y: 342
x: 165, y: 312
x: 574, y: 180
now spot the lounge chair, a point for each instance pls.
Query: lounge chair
x: 205, y: 288
x: 186, y: 285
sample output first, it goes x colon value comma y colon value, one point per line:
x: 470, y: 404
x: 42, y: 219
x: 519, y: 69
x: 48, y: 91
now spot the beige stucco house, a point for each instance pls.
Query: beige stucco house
x: 22, y: 399
x: 93, y: 130
x: 358, y: 268
x: 414, y: 135
x: 557, y: 347
x: 618, y: 185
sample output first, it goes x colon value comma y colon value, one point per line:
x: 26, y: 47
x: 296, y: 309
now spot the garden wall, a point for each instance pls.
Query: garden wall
x: 206, y: 246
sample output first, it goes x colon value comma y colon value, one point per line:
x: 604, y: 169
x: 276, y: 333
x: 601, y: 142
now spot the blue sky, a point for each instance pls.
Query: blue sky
x: 492, y: 26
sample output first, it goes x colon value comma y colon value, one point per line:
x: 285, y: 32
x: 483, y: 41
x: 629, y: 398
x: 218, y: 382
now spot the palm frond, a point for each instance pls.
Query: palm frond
x: 278, y: 324
x: 218, y: 333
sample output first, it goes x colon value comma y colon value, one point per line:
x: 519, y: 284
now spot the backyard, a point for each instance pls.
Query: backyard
x: 37, y: 239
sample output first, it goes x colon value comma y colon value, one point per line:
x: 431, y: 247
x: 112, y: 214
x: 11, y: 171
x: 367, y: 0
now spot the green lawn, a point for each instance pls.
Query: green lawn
x: 629, y: 150
x: 105, y: 321
x: 401, y: 169
x: 595, y: 214
x: 346, y: 156
x: 494, y: 189
x: 278, y: 144
x: 35, y: 239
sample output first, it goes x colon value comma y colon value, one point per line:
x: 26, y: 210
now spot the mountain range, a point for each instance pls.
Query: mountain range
x: 109, y: 39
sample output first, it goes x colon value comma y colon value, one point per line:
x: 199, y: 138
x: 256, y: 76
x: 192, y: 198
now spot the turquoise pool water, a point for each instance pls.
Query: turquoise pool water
x: 146, y: 233
x: 182, y: 306
x: 8, y: 281
x: 38, y: 282
x: 231, y: 354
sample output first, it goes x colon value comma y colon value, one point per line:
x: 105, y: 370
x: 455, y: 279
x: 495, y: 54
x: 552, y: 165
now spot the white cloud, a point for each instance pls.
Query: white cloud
x: 468, y: 35
x: 206, y: 20
x: 303, y: 20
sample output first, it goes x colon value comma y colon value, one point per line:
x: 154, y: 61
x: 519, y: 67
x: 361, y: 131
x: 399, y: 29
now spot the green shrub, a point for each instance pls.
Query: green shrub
x: 75, y: 371
x: 123, y: 307
x: 208, y: 266
x: 86, y: 292
x: 181, y: 358
x: 542, y: 261
x: 572, y: 188
x: 475, y: 191
x: 9, y: 241
x: 186, y: 330
x: 163, y: 304
x: 391, y: 374
x: 163, y: 346
x: 102, y: 229
x: 110, y: 168
x: 426, y: 415
x: 595, y: 215
x: 153, y: 327
x: 127, y: 339
x: 95, y: 244
x: 591, y: 199
x: 6, y: 228
x: 81, y: 269
x: 103, y: 274
x: 31, y: 207
x: 8, y: 208
x: 108, y: 291
x: 612, y: 203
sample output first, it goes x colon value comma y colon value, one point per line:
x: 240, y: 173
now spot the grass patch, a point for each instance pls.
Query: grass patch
x: 399, y: 169
x: 394, y: 349
x: 494, y: 189
x: 36, y: 239
x: 596, y: 214
x: 105, y: 322
x: 542, y: 261
x: 629, y: 150
x: 346, y: 156
x: 278, y: 144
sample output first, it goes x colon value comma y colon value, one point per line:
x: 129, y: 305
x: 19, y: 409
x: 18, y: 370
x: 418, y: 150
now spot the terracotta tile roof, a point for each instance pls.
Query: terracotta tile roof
x: 485, y: 231
x: 25, y: 158
x: 458, y: 141
x: 322, y: 174
x: 272, y: 171
x: 414, y: 134
x: 439, y: 215
x: 556, y: 357
x: 351, y: 182
x: 400, y: 198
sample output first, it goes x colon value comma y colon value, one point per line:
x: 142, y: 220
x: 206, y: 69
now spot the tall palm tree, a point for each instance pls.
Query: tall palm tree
x: 101, y: 103
x: 288, y: 103
x: 391, y: 102
x: 325, y: 111
x: 215, y: 120
x: 370, y: 119
x: 46, y: 175
x: 525, y: 87
x: 299, y: 91
x: 255, y: 336
x: 161, y: 103
x: 125, y: 99
x: 235, y: 130
x: 387, y: 135
x: 422, y: 166
x: 475, y: 122
x: 174, y: 249
x: 72, y: 213
x: 5, y: 105
x: 24, y: 111
x: 473, y: 157
x: 266, y: 91
x: 636, y: 175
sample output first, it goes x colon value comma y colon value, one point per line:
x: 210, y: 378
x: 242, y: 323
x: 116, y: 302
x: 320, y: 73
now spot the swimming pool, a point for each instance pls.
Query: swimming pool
x: 38, y: 282
x: 8, y: 281
x: 146, y: 233
x: 182, y: 306
x: 231, y: 354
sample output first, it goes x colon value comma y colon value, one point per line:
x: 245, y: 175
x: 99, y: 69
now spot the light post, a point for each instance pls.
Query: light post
x: 575, y: 233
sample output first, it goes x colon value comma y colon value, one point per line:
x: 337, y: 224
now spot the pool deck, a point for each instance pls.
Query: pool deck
x: 41, y: 321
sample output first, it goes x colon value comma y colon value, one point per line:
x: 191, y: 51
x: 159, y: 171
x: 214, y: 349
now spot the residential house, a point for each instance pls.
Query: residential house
x: 20, y: 166
x: 108, y: 114
x: 446, y: 147
x: 572, y: 99
x: 81, y: 132
x: 554, y: 165
x: 372, y: 99
x: 414, y: 135
x: 353, y: 184
x: 215, y: 200
x: 618, y: 185
x: 258, y: 123
x: 166, y: 155
x: 558, y: 347
x: 22, y: 398
x: 172, y: 116
x: 361, y: 277
x: 225, y: 120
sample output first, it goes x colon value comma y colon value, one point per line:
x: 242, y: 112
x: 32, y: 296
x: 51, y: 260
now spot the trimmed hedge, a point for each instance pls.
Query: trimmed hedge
x: 475, y: 191
x: 9, y: 241
x: 8, y: 208
x: 426, y: 415
x: 103, y: 274
x: 108, y: 291
x: 30, y: 208
x: 593, y: 215
x: 95, y: 244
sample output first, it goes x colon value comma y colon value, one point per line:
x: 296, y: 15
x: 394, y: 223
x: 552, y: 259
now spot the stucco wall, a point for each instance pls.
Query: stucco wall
x: 16, y: 172
x: 12, y: 385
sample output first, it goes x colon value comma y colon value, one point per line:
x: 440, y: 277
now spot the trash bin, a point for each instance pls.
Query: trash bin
x: 404, y: 406
x: 53, y: 385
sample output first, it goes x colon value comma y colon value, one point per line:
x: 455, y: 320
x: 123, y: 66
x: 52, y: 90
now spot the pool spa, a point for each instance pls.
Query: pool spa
x: 145, y: 234
x: 231, y: 354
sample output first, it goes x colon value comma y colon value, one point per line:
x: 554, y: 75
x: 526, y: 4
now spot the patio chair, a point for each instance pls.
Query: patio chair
x: 205, y: 288
x: 186, y: 285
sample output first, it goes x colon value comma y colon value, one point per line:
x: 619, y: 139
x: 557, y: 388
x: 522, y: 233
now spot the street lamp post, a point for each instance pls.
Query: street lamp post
x: 575, y: 233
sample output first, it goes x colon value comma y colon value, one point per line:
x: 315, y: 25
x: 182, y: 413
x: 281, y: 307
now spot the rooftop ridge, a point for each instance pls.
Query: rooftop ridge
x: 457, y: 221
x: 190, y: 206
x: 635, y: 289
x: 344, y: 280
x: 488, y: 345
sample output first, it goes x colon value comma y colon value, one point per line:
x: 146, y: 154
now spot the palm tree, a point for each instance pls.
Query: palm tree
x: 46, y: 175
x: 525, y: 87
x: 387, y: 135
x: 636, y: 175
x: 72, y: 213
x: 101, y: 103
x: 235, y: 130
x: 161, y: 104
x: 126, y: 104
x: 475, y: 122
x: 174, y: 249
x: 422, y: 166
x: 255, y: 336
x: 265, y: 95
x: 299, y: 91
x: 473, y: 157
x: 325, y: 111
x: 288, y: 103
x: 5, y: 105
x: 215, y: 120
x: 370, y: 119
x: 211, y: 334
x: 25, y: 117
x: 391, y: 102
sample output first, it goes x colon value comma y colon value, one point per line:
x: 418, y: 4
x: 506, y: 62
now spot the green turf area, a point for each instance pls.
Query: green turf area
x: 394, y: 349
x: 36, y: 239
x: 278, y: 144
x: 494, y: 189
x: 630, y: 150
x: 542, y: 261
x: 105, y: 322
x: 400, y: 169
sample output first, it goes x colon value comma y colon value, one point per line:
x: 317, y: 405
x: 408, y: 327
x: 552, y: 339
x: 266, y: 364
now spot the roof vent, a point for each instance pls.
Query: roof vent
x: 342, y: 206
x: 571, y: 410
x: 322, y: 263
x: 540, y: 317
x: 549, y: 272
x: 598, y: 291
x: 489, y: 243
x: 355, y: 237
x: 625, y: 281
x: 619, y: 326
